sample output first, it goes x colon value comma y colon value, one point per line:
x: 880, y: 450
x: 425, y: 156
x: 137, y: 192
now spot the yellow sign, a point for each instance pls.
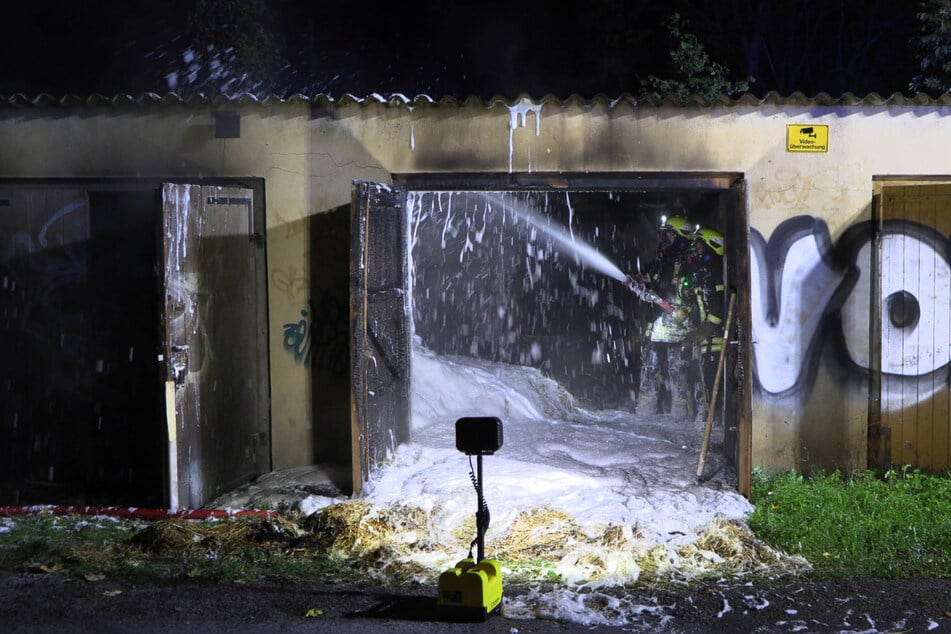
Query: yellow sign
x: 807, y: 138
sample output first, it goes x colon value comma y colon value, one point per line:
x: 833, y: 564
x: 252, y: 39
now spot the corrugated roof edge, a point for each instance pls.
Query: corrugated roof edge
x: 20, y: 100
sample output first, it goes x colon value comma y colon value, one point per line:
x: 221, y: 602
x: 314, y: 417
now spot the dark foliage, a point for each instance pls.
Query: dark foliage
x: 459, y: 49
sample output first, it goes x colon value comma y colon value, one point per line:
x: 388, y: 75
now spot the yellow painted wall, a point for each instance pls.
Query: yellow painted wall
x: 308, y: 155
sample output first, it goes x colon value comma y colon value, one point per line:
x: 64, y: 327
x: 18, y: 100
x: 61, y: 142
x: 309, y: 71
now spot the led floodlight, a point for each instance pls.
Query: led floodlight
x: 472, y: 589
x: 479, y: 435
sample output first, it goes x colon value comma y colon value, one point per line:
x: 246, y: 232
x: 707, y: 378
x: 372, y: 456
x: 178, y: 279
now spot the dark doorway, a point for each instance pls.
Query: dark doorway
x: 531, y: 278
x: 80, y: 335
x: 83, y: 368
x: 527, y: 269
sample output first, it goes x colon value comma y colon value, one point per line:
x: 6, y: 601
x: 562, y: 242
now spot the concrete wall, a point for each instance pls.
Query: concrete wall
x: 809, y: 214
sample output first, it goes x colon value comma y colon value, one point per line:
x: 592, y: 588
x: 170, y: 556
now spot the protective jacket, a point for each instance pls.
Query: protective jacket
x: 708, y: 291
x: 674, y: 282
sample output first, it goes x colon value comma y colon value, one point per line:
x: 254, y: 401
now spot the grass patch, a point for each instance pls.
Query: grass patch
x: 892, y: 526
x: 238, y: 549
x: 50, y: 543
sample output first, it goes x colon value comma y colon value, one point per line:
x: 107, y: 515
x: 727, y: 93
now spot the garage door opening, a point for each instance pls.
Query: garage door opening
x: 527, y: 277
x: 133, y: 324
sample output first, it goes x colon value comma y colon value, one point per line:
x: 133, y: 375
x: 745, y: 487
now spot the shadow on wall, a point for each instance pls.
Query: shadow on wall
x: 328, y: 327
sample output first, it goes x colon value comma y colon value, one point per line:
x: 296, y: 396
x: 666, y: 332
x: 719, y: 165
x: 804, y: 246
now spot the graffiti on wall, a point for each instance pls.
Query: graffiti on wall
x: 791, y: 190
x: 320, y: 338
x: 45, y: 277
x: 807, y: 292
x: 290, y: 280
x: 297, y: 338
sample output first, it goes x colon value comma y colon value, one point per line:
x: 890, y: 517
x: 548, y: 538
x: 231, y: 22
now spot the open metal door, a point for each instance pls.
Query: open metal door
x: 737, y: 373
x: 214, y: 329
x: 380, y: 326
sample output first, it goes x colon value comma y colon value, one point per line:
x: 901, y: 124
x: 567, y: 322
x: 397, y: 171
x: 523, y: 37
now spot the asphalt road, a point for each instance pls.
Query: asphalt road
x: 40, y: 602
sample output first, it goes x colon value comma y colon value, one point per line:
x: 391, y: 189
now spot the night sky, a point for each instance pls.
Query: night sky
x: 470, y: 49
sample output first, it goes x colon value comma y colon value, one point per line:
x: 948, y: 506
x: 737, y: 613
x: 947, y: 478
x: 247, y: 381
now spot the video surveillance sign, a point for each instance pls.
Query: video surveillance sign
x: 807, y: 137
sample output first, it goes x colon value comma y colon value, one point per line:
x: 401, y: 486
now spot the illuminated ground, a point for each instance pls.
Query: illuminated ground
x: 598, y: 500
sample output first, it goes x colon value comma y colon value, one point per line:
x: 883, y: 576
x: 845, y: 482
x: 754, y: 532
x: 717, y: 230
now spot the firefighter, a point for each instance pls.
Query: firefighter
x: 672, y: 276
x: 708, y: 287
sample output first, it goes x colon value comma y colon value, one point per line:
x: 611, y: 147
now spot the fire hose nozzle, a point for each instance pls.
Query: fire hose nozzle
x: 639, y: 288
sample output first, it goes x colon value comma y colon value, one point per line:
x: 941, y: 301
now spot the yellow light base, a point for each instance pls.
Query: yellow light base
x: 471, y: 591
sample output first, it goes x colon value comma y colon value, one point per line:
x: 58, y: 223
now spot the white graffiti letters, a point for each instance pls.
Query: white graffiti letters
x: 914, y: 304
x: 796, y: 278
x: 788, y: 300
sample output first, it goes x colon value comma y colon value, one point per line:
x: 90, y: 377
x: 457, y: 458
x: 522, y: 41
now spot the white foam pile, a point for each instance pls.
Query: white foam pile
x: 597, y: 499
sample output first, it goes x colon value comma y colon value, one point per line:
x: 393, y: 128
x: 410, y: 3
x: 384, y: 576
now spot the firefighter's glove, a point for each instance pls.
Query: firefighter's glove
x: 701, y: 333
x: 680, y: 314
x: 695, y: 336
x: 631, y: 282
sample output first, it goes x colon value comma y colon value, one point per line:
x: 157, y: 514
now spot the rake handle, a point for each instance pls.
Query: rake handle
x: 716, y: 388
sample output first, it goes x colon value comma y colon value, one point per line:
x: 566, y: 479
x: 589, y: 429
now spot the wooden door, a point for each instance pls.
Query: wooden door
x: 215, y: 341
x: 380, y: 326
x: 736, y: 383
x: 911, y: 312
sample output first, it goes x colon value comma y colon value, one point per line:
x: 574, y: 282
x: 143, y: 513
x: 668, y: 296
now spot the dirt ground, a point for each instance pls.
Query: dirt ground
x: 50, y: 603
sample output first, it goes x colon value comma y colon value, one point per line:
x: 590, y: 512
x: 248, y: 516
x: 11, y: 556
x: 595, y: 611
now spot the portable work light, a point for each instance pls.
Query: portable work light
x: 473, y: 588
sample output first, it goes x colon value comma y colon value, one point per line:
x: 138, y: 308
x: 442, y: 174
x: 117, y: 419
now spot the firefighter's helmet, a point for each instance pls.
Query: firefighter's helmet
x: 712, y: 238
x: 679, y: 225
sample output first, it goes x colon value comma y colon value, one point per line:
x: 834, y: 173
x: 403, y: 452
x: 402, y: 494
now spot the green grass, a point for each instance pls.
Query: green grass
x: 97, y: 547
x: 892, y: 526
x: 50, y: 543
